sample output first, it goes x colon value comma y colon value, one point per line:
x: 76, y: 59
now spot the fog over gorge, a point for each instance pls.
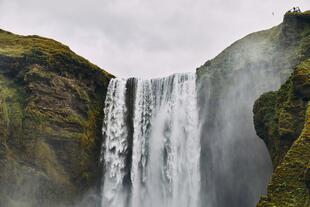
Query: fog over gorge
x: 152, y: 103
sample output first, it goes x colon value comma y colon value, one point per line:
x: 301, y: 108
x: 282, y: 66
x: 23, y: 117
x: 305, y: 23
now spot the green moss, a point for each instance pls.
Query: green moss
x: 87, y: 143
x: 301, y: 80
x: 265, y: 117
x: 49, y: 53
x: 286, y: 126
x: 279, y: 116
x: 288, y: 186
x: 282, y: 120
x: 51, y: 104
x: 46, y: 160
x: 11, y: 113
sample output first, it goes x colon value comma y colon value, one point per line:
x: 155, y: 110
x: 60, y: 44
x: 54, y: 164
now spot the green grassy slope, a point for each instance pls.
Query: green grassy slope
x: 51, y: 115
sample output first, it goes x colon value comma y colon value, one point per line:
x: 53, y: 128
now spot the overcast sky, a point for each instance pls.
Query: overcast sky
x: 144, y: 38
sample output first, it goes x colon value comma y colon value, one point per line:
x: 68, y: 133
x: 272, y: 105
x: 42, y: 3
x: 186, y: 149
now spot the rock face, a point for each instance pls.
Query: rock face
x: 51, y: 103
x: 228, y: 85
x: 282, y: 120
x: 279, y: 116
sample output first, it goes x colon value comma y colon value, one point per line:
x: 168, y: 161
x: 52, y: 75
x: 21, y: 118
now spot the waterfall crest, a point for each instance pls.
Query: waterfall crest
x: 152, y: 137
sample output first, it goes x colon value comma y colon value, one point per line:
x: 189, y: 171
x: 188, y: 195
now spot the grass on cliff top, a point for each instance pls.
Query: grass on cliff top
x: 40, y: 48
x: 288, y: 185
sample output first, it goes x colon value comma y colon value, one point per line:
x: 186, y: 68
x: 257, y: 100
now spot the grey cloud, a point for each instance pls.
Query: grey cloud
x: 144, y: 38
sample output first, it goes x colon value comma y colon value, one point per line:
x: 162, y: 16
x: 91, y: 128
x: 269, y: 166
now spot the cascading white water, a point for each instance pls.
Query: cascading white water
x: 115, y: 145
x: 165, y: 150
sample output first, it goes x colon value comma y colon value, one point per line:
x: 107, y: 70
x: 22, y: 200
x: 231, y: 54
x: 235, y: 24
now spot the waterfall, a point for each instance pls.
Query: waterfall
x: 115, y: 145
x: 151, y: 134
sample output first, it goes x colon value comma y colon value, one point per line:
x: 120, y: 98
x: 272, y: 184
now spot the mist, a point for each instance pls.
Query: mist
x: 235, y: 163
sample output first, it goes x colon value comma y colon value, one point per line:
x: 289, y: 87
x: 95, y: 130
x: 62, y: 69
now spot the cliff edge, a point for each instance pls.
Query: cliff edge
x: 51, y: 103
x: 228, y: 86
x: 282, y: 120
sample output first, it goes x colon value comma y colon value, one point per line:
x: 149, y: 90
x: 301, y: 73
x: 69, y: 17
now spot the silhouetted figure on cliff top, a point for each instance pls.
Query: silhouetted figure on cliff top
x: 295, y: 9
x: 298, y: 9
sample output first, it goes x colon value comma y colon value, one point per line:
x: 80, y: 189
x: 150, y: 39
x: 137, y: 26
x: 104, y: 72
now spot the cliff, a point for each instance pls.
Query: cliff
x: 51, y: 103
x: 282, y: 120
x: 228, y: 86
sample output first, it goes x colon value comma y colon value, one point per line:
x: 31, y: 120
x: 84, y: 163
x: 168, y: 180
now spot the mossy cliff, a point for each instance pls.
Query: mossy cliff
x: 51, y: 104
x: 282, y: 120
x: 228, y: 85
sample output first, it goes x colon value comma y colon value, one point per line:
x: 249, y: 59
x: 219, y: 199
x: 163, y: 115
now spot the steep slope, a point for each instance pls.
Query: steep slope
x: 235, y: 164
x: 282, y: 120
x: 51, y: 104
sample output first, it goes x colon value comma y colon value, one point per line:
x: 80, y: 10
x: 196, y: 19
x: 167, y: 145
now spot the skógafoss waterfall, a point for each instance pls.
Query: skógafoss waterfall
x: 151, y: 148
